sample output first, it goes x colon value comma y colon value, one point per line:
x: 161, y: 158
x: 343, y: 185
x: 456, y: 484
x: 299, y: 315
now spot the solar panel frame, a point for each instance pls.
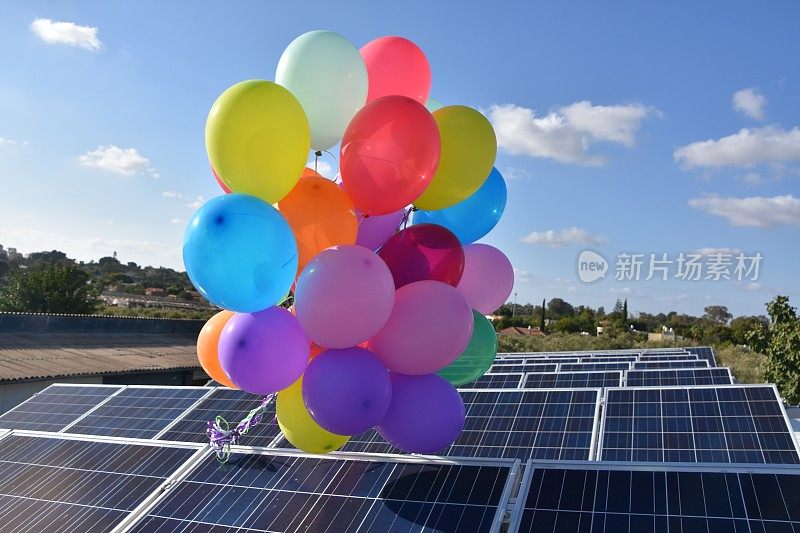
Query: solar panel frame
x: 56, y: 426
x: 139, y: 519
x: 669, y: 365
x: 477, y: 384
x: 615, y: 359
x: 572, y: 375
x: 588, y: 367
x: 663, y: 374
x: 602, y: 433
x: 372, y: 443
x: 525, y: 367
x: 80, y: 426
x: 668, y: 500
x: 664, y: 357
x: 194, y: 451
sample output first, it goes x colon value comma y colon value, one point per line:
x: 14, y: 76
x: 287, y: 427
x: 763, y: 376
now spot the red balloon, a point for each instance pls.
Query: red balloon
x: 424, y: 252
x: 396, y: 66
x: 389, y: 154
x: 220, y: 182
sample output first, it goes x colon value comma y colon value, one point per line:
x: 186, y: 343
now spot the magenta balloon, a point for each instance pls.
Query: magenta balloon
x: 431, y: 324
x: 263, y: 352
x: 375, y: 230
x: 488, y: 277
x: 347, y: 391
x: 426, y: 414
x: 344, y: 296
x: 424, y: 252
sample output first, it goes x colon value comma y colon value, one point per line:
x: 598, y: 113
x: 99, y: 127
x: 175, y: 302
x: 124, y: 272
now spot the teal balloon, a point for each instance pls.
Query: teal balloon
x: 431, y: 104
x: 327, y: 74
x: 478, y: 356
x: 476, y: 216
x: 240, y: 253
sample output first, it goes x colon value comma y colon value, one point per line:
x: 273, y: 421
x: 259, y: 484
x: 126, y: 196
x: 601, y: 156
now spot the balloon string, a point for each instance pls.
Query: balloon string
x: 317, y: 155
x: 221, y: 437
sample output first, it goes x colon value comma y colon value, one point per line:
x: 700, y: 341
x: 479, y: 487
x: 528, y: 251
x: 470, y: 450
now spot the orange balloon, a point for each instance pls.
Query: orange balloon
x: 320, y: 214
x: 207, y: 342
x: 316, y: 349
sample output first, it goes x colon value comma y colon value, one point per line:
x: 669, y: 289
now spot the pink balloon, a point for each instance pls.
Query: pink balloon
x: 430, y: 326
x: 396, y: 66
x: 344, y: 296
x: 488, y: 277
x: 375, y: 230
x: 424, y: 251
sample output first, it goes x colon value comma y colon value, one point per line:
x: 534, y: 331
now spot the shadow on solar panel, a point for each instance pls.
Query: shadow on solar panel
x: 56, y: 407
x: 282, y: 491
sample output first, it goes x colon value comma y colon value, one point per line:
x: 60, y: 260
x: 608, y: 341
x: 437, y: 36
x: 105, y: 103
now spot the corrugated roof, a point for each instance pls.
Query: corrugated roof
x: 26, y: 356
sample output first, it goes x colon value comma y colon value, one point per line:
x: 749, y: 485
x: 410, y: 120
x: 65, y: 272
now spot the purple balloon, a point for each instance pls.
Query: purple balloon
x: 488, y: 277
x: 347, y: 391
x: 375, y: 230
x: 263, y: 352
x: 426, y: 414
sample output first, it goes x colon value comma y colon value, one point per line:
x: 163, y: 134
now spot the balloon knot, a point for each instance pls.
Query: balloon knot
x: 318, y: 153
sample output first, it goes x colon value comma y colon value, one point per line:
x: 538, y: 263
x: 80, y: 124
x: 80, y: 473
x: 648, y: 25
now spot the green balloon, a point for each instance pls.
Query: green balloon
x: 478, y: 356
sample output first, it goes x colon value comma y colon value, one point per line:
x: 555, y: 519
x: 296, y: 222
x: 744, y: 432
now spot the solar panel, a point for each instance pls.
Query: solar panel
x: 718, y: 424
x: 661, y: 357
x: 616, y: 359
x: 558, y: 498
x: 52, y: 483
x: 287, y: 492
x: 55, y: 407
x: 508, y: 380
x: 139, y: 412
x: 533, y: 367
x: 572, y: 380
x: 589, y: 367
x: 652, y: 365
x: 689, y: 376
x: 232, y: 405
x: 704, y: 352
x: 543, y: 424
x: 604, y: 356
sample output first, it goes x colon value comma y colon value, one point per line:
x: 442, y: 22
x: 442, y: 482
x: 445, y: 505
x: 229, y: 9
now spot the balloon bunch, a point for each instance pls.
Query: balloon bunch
x: 389, y: 293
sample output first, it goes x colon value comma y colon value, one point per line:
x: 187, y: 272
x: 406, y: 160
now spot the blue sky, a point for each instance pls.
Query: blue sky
x: 638, y: 128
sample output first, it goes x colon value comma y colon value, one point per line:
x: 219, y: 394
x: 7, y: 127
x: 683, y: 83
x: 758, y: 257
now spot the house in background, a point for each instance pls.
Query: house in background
x: 39, y: 350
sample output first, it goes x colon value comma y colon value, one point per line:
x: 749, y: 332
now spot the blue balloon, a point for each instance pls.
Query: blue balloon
x: 240, y: 253
x: 473, y: 218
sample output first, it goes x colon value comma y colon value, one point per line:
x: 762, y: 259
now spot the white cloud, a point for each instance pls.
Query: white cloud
x: 511, y: 173
x: 196, y: 203
x: 749, y: 102
x: 747, y: 148
x: 68, y: 33
x: 713, y: 251
x: 567, y: 133
x: 523, y: 277
x: 758, y: 211
x: 125, y: 161
x: 323, y: 168
x: 193, y: 202
x: 753, y: 178
x: 177, y: 221
x: 753, y: 286
x: 173, y: 194
x: 564, y: 237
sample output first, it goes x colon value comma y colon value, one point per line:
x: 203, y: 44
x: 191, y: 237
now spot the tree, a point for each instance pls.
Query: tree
x: 542, y: 317
x: 4, y: 268
x: 625, y: 311
x: 717, y: 313
x: 558, y: 308
x: 741, y: 326
x: 47, y: 288
x: 780, y: 342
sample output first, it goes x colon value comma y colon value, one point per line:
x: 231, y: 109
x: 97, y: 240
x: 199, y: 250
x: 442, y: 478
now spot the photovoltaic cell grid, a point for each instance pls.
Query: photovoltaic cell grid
x: 232, y: 405
x: 620, y: 359
x: 543, y: 424
x: 496, y: 381
x: 588, y: 367
x: 704, y: 352
x: 289, y: 493
x: 602, y: 499
x: 572, y: 380
x: 55, y: 407
x: 644, y: 365
x: 55, y: 484
x: 550, y: 367
x: 683, y: 357
x: 716, y: 424
x: 691, y: 376
x: 139, y: 412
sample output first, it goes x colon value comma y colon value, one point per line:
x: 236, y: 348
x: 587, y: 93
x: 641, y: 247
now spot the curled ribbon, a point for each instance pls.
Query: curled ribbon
x: 221, y: 437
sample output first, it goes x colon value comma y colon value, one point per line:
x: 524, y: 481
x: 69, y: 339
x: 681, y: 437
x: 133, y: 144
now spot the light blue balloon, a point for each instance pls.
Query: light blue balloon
x: 433, y: 104
x: 240, y: 253
x: 476, y: 216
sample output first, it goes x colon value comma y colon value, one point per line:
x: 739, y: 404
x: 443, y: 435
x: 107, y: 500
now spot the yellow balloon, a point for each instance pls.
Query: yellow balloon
x: 469, y: 148
x: 298, y: 426
x: 257, y: 139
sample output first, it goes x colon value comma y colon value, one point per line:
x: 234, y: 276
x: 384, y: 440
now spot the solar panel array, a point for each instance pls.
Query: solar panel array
x: 572, y: 380
x: 694, y: 376
x: 503, y: 380
x: 543, y: 424
x: 713, y: 424
x: 657, y: 363
x: 55, y: 407
x: 610, y: 499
